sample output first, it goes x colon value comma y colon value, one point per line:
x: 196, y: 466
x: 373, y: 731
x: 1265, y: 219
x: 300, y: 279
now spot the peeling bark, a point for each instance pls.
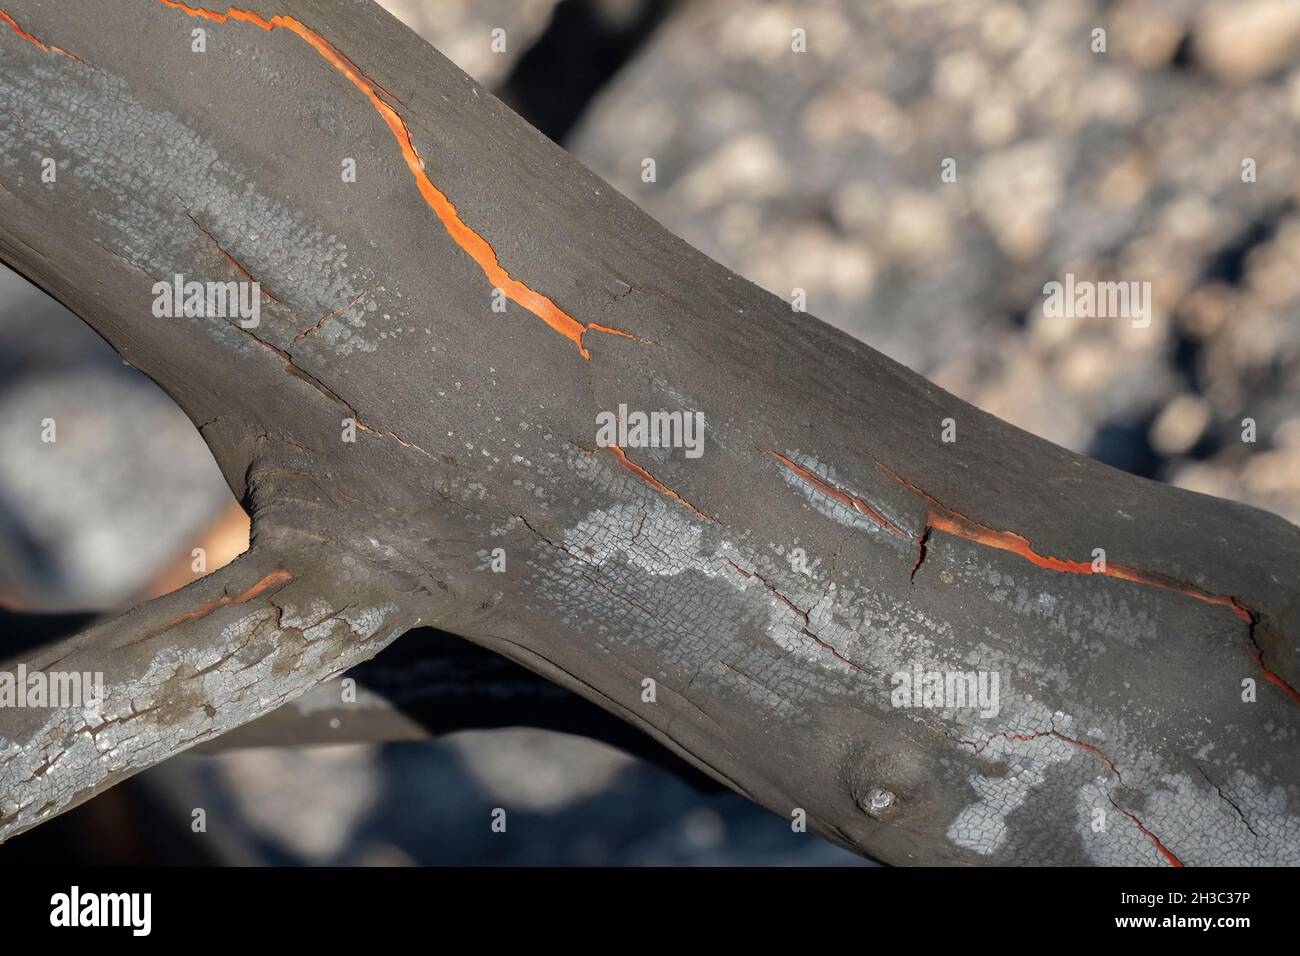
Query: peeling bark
x: 183, y: 669
x: 774, y: 589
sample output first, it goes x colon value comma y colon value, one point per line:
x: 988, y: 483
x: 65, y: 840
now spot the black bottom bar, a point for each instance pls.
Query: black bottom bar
x: 1006, y: 907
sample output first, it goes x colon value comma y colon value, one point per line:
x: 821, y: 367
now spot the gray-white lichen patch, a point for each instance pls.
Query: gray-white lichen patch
x: 650, y: 573
x: 827, y: 505
x: 181, y: 695
x: 726, y: 612
x: 164, y: 171
x: 656, y: 538
x: 365, y: 622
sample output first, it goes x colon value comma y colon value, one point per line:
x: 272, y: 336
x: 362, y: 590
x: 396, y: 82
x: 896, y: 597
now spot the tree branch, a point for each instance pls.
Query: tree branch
x: 755, y: 609
x: 433, y: 683
x: 172, y: 673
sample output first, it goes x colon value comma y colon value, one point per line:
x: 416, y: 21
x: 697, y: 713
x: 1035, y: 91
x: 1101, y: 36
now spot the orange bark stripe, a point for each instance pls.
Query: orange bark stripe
x: 47, y: 47
x: 275, y: 579
x: 843, y: 497
x: 654, y: 482
x: 478, y: 248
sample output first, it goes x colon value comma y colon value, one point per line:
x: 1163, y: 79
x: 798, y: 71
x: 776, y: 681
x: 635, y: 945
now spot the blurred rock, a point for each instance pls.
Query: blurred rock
x: 267, y: 787
x: 1180, y: 425
x: 538, y: 771
x: 1148, y: 33
x: 568, y: 801
x: 125, y: 487
x: 1247, y: 40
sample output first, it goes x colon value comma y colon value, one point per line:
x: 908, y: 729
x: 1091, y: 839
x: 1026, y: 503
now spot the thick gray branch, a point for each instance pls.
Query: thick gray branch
x: 773, y: 589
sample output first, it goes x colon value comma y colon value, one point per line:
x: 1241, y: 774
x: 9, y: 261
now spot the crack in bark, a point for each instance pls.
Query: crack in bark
x: 921, y: 543
x: 1075, y: 742
x: 624, y: 598
x: 834, y: 653
x: 275, y: 580
x: 753, y: 680
x: 473, y: 244
x: 1096, y: 752
x: 942, y: 518
x: 233, y: 261
x: 47, y: 47
x: 945, y: 519
x: 654, y: 482
x: 840, y: 495
x: 94, y: 731
x: 558, y: 547
x: 302, y: 631
x: 304, y: 376
x: 949, y: 521
x: 1167, y: 853
x: 770, y: 587
x: 1274, y: 678
x: 1228, y: 800
x: 315, y: 326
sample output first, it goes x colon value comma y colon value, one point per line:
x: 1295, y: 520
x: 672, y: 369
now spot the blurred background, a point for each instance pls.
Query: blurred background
x: 817, y: 170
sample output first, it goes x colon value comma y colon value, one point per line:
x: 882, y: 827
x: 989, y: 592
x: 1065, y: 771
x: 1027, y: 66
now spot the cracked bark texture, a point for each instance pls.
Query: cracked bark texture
x: 826, y: 540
